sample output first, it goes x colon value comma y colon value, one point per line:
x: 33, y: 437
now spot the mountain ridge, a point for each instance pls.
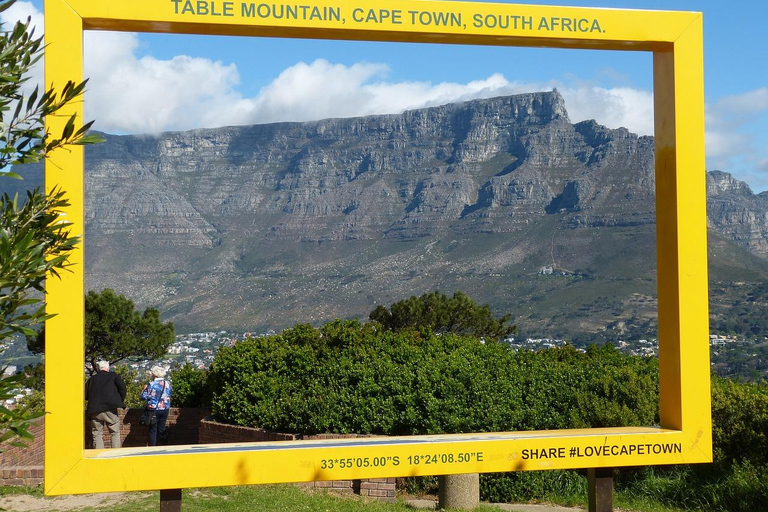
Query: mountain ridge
x: 265, y: 225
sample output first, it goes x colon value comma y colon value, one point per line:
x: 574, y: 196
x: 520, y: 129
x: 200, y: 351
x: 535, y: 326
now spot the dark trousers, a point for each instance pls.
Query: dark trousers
x: 158, y: 429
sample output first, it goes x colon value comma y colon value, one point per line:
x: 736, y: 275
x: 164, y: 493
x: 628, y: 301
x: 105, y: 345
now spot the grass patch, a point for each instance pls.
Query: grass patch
x: 276, y: 498
x: 624, y: 502
x: 262, y: 498
x: 279, y: 498
x: 13, y: 490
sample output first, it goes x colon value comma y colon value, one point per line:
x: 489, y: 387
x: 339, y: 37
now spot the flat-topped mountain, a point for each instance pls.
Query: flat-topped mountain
x: 268, y: 225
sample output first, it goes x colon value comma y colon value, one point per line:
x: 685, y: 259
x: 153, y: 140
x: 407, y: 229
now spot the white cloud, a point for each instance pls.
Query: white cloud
x: 742, y: 105
x: 130, y: 94
x: 321, y: 89
x: 22, y: 11
x: 722, y: 145
x: 736, y: 136
x: 620, y: 106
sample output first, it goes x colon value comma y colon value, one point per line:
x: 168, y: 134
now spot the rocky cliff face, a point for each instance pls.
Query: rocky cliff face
x: 266, y: 225
x: 466, y: 165
x: 736, y: 213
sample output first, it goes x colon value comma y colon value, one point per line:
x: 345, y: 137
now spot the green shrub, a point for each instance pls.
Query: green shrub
x: 740, y: 421
x: 134, y: 383
x: 353, y: 377
x: 190, y: 387
x: 350, y: 377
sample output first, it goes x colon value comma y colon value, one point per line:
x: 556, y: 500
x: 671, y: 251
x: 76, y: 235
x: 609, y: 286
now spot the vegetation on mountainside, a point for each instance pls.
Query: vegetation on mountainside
x: 744, y: 313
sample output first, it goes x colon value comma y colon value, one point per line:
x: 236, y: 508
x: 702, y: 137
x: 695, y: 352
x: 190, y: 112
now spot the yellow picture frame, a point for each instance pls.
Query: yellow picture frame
x: 674, y: 38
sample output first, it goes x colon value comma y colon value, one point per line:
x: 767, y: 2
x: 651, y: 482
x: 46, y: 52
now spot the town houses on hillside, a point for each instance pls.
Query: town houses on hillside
x: 199, y: 349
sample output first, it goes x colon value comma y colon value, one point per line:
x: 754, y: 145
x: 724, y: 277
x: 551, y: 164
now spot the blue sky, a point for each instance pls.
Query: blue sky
x: 152, y: 83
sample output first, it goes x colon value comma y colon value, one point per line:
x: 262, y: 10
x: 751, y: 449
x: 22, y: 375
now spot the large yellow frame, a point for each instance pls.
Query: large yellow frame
x: 675, y: 38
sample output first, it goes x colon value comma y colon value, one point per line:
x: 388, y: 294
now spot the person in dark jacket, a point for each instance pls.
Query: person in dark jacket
x: 105, y: 393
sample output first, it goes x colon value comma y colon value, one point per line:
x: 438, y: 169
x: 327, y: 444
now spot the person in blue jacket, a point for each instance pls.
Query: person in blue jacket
x: 157, y: 394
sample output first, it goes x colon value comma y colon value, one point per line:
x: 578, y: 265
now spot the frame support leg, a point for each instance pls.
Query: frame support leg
x: 170, y: 500
x: 600, y: 488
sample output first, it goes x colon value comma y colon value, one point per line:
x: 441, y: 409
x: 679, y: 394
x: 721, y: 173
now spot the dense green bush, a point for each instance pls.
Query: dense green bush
x: 737, y: 480
x: 348, y: 377
x: 190, y: 387
x: 353, y: 377
x: 740, y: 421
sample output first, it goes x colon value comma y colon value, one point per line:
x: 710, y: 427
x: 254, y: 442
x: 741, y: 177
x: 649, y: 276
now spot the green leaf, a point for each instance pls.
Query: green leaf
x: 4, y: 6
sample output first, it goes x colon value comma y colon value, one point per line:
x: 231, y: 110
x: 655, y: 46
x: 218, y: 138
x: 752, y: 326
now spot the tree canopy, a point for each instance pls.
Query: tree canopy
x: 458, y: 314
x: 115, y: 330
x: 34, y: 242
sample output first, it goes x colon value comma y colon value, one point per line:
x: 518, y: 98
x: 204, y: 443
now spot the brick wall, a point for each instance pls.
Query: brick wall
x: 182, y: 427
x: 30, y: 456
x: 24, y: 466
x: 22, y: 475
x: 212, y: 432
x: 379, y: 488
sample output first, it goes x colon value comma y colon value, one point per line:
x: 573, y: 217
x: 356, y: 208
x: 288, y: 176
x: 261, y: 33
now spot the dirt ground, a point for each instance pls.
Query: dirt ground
x: 26, y: 503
